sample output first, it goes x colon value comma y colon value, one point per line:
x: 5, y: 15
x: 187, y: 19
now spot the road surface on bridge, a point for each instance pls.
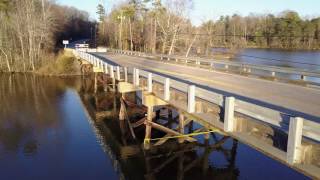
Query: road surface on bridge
x: 288, y: 98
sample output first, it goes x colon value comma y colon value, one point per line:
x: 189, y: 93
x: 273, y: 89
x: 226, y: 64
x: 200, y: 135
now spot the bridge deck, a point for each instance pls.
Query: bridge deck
x: 288, y: 98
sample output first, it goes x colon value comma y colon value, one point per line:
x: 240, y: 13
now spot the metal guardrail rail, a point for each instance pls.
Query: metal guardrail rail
x: 213, y: 64
x: 295, y: 127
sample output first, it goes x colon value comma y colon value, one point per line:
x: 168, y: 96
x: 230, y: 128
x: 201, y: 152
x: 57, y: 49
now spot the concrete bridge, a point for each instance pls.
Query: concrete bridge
x: 257, y: 112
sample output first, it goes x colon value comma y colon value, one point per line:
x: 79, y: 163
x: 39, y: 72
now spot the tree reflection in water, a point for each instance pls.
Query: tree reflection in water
x: 29, y: 107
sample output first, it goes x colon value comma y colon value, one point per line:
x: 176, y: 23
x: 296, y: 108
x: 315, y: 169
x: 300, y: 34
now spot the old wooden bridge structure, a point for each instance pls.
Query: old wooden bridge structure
x: 291, y: 140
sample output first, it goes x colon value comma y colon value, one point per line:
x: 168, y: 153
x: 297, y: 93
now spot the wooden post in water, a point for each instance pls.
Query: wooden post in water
x: 148, y: 127
x: 95, y: 83
x: 122, y: 109
x: 229, y: 114
x: 181, y: 126
x: 294, y: 140
x: 207, y: 136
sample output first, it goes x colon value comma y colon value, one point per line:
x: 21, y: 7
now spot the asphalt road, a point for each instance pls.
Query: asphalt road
x: 288, y: 98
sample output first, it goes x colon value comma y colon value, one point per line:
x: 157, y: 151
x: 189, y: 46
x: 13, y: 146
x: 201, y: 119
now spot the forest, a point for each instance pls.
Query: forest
x: 165, y: 27
x: 31, y: 32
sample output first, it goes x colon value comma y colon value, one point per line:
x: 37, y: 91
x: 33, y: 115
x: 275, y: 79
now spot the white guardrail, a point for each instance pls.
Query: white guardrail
x: 295, y: 127
x: 228, y: 65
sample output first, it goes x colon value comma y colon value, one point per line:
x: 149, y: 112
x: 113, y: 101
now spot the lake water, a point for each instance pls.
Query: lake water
x: 57, y: 128
x: 304, y: 59
x: 301, y: 59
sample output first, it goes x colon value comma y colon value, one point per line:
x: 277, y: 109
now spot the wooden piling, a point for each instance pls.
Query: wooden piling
x: 148, y: 127
x: 181, y: 126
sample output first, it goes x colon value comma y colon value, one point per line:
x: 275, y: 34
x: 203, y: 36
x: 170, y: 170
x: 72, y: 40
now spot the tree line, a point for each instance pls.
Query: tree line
x: 165, y: 27
x: 31, y: 32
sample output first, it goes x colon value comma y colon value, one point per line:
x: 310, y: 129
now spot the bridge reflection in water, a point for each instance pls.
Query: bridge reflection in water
x: 171, y: 159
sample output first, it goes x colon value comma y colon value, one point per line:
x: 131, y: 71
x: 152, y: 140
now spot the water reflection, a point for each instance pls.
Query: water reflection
x: 215, y: 158
x: 174, y: 160
x: 47, y: 132
x: 27, y: 106
x: 44, y: 132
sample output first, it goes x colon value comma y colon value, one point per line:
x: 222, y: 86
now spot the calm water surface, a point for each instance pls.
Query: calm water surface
x: 304, y: 59
x: 53, y: 128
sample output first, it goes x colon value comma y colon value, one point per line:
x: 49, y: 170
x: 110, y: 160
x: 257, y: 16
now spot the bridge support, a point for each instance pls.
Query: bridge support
x: 148, y: 128
x: 181, y: 126
x: 95, y: 82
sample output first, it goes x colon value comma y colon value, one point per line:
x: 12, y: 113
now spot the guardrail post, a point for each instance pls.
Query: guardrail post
x: 118, y: 73
x: 125, y: 74
x: 191, y: 99
x: 134, y: 76
x: 106, y: 68
x: 137, y: 78
x: 229, y: 114
x: 150, y: 82
x: 111, y: 72
x: 212, y: 66
x: 167, y: 89
x: 294, y: 140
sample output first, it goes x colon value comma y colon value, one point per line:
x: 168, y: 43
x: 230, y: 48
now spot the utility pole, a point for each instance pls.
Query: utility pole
x: 121, y: 17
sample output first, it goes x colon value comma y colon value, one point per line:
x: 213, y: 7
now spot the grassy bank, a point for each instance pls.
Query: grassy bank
x: 65, y: 64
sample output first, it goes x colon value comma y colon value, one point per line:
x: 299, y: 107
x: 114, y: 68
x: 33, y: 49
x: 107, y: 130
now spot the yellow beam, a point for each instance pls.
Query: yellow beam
x: 125, y: 87
x: 151, y: 100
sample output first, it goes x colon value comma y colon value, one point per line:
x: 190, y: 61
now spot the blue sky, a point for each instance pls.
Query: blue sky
x: 212, y: 9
